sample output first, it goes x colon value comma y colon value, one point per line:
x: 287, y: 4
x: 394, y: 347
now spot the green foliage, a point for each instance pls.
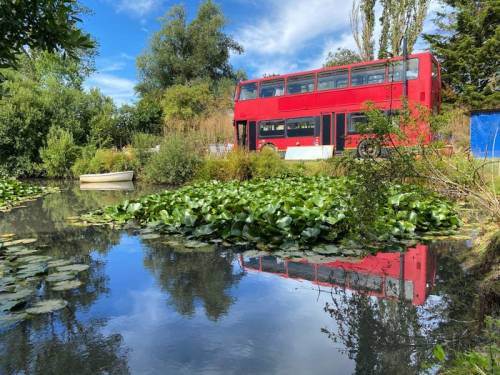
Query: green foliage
x: 181, y: 51
x: 285, y: 212
x: 468, y: 46
x: 46, y: 92
x: 175, y: 163
x: 105, y: 161
x: 186, y: 102
x: 342, y: 56
x: 46, y: 25
x: 401, y: 18
x: 142, y: 143
x: 242, y: 165
x: 362, y: 26
x: 60, y: 153
x: 484, y: 360
x: 13, y: 191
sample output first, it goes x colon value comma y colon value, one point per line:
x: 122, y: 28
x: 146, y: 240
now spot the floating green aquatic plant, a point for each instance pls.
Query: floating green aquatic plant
x: 23, y: 271
x: 288, y: 212
x: 13, y: 193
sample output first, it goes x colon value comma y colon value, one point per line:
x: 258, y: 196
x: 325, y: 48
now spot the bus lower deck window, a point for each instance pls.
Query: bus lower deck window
x: 272, y: 129
x: 248, y: 91
x: 355, y: 119
x: 300, y: 127
x: 333, y: 80
x: 272, y: 88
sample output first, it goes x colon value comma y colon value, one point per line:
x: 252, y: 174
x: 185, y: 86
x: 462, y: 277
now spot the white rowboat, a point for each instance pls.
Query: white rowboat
x: 108, y: 177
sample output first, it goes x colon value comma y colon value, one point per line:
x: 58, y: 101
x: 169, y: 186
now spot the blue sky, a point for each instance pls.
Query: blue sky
x: 279, y: 36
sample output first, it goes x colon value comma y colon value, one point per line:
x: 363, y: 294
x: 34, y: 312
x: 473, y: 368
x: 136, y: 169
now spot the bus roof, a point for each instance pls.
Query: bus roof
x: 337, y: 67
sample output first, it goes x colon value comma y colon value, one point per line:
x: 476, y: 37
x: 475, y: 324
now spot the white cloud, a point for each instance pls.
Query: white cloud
x: 283, y: 30
x: 139, y: 8
x: 120, y: 89
x: 289, y: 25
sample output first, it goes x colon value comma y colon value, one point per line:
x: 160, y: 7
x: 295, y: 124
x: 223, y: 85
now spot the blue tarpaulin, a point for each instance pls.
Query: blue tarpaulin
x: 485, y: 133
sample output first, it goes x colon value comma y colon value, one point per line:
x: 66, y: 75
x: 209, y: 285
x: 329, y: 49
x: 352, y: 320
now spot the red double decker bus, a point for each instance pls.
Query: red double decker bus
x: 325, y: 106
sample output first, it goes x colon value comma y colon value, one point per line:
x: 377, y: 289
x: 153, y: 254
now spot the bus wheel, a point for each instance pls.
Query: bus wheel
x: 368, y: 148
x: 269, y: 146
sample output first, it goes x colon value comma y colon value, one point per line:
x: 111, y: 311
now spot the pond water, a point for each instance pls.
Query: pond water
x: 147, y: 308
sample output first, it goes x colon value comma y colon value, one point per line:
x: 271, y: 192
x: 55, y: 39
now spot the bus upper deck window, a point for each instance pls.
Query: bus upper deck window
x: 300, y: 84
x: 333, y: 80
x: 248, y: 91
x: 396, y: 70
x: 368, y: 75
x: 272, y: 88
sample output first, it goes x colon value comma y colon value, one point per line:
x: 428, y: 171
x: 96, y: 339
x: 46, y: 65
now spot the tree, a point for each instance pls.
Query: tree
x: 362, y: 25
x: 400, y: 18
x: 49, y: 25
x: 181, y: 52
x: 468, y: 47
x: 39, y: 95
x: 343, y: 56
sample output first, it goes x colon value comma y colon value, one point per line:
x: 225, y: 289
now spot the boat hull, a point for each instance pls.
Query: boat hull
x: 108, y: 177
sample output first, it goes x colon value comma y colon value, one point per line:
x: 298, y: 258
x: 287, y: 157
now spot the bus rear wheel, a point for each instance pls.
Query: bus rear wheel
x: 368, y: 149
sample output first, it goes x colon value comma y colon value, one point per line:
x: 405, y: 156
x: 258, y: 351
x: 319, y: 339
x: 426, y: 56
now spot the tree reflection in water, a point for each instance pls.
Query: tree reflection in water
x: 188, y: 277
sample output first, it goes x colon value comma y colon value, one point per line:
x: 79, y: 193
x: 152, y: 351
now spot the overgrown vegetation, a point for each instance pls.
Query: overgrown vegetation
x: 292, y: 212
x: 13, y: 192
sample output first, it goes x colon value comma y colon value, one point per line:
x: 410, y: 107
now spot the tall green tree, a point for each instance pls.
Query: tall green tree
x: 49, y: 25
x: 468, y: 46
x: 181, y: 51
x: 401, y: 18
x: 362, y: 26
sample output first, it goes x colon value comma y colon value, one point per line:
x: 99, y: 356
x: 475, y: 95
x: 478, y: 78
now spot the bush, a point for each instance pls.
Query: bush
x: 104, y: 161
x: 268, y: 163
x: 143, y: 143
x: 60, y: 153
x: 175, y: 163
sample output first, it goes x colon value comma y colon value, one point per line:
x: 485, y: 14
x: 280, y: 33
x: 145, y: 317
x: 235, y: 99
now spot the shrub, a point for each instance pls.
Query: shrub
x: 60, y: 153
x: 143, y: 143
x: 104, y: 161
x: 268, y: 163
x: 175, y: 163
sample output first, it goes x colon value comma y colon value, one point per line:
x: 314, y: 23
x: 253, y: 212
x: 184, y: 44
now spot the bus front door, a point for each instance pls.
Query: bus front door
x: 241, y: 134
x: 339, y: 132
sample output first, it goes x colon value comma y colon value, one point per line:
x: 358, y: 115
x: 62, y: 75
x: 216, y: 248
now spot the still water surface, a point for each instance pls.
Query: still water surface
x: 145, y: 308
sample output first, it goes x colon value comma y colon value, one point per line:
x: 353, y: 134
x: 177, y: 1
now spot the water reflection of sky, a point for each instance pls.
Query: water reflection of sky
x: 155, y: 311
x: 274, y: 324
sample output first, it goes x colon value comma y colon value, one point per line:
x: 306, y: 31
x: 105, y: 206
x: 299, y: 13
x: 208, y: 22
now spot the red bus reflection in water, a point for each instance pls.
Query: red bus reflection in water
x: 408, y: 275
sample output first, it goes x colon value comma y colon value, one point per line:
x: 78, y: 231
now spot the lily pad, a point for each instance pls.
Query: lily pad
x: 48, y: 306
x: 58, y: 263
x: 66, y: 285
x: 151, y: 236
x: 35, y: 258
x: 8, y: 319
x: 24, y: 241
x: 59, y: 276
x: 195, y: 244
x: 31, y: 269
x: 9, y: 301
x: 327, y: 249
x: 73, y: 268
x: 22, y: 252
